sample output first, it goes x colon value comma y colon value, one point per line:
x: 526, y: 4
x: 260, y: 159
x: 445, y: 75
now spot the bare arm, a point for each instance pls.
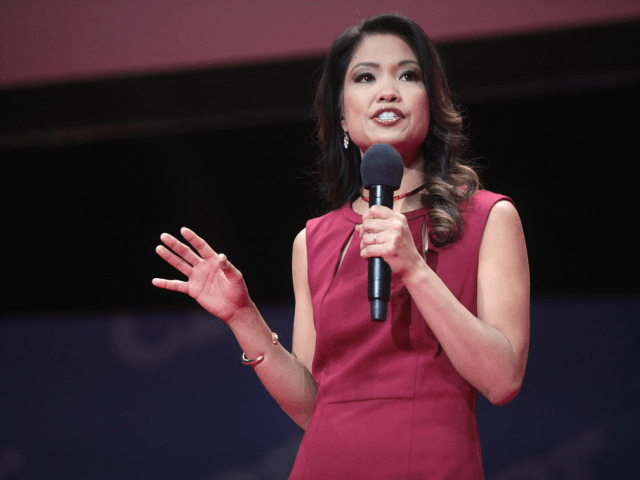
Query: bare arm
x: 304, y: 332
x: 490, y: 350
x: 219, y: 287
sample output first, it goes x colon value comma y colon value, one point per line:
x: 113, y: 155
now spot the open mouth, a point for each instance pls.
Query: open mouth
x: 387, y: 116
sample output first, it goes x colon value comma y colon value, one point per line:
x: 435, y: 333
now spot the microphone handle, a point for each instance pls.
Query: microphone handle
x: 379, y: 281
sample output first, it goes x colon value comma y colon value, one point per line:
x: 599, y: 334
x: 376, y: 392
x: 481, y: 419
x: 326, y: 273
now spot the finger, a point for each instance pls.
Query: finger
x: 180, y: 248
x: 360, y: 229
x: 173, y: 285
x: 371, y: 239
x: 173, y: 260
x: 377, y: 211
x: 372, y: 226
x: 371, y: 251
x: 198, y: 243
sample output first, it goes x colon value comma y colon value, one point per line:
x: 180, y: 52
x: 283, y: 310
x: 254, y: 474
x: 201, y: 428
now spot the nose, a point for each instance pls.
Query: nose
x: 388, y: 91
x: 388, y: 97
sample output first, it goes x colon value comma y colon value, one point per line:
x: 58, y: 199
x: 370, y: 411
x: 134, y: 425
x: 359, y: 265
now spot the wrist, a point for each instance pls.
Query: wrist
x: 416, y: 275
x: 243, y: 315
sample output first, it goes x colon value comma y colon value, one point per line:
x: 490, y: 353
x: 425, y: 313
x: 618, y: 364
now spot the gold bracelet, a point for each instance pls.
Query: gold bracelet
x: 255, y: 361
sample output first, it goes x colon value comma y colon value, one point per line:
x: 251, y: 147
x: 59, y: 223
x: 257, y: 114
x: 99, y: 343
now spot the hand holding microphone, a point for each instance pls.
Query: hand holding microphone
x: 381, y: 171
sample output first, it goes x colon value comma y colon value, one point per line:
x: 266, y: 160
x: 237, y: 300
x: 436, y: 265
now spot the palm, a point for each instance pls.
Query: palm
x: 212, y: 289
x: 212, y: 281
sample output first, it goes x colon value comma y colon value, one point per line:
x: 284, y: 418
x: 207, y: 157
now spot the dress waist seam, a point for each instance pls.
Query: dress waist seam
x: 368, y: 399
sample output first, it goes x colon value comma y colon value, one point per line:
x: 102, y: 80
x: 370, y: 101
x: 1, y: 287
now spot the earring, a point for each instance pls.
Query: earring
x: 346, y: 140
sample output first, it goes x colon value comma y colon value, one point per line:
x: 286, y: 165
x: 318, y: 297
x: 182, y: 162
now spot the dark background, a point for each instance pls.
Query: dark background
x: 94, y: 171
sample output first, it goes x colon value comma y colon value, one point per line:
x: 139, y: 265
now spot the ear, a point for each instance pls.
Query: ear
x: 343, y: 123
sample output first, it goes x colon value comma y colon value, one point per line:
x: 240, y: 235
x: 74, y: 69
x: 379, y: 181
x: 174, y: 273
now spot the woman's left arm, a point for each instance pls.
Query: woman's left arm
x: 489, y: 350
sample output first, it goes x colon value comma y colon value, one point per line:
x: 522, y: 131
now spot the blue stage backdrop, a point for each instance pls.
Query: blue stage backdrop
x: 162, y: 395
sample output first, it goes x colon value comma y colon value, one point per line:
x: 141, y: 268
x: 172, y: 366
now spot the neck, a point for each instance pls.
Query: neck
x: 412, y: 177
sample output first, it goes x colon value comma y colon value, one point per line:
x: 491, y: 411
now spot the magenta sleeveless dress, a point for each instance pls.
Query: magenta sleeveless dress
x: 390, y: 405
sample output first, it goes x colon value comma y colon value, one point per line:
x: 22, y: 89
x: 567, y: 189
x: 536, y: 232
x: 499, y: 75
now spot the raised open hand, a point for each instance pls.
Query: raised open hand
x: 212, y: 280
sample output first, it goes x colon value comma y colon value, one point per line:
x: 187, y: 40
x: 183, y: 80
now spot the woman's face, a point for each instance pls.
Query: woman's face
x: 385, y: 100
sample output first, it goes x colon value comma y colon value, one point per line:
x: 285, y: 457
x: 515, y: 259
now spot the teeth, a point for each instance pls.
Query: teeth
x: 387, y: 116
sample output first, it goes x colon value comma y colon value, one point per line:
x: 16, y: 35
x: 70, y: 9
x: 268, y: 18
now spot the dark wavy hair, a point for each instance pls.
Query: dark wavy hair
x: 449, y: 177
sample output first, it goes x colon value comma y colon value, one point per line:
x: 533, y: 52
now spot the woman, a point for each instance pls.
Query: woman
x: 394, y: 399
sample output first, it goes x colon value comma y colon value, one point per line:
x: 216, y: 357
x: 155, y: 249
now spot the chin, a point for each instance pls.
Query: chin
x: 405, y: 149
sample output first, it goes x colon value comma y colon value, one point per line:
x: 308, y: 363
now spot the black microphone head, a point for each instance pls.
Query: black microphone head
x: 381, y: 165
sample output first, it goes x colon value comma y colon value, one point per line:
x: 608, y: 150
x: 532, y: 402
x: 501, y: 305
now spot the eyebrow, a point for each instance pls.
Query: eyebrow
x: 377, y: 65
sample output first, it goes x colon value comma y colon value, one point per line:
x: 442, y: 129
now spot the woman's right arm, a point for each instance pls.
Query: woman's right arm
x: 219, y: 287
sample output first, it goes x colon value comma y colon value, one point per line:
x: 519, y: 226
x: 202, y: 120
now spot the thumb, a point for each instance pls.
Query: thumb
x: 229, y: 271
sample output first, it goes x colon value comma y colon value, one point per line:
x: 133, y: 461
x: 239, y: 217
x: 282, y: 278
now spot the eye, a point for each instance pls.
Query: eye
x: 411, y: 76
x: 364, y: 77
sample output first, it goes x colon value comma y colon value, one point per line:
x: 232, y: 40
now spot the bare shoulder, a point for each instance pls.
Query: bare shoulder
x: 504, y: 215
x: 300, y: 242
x: 299, y: 257
x: 503, y: 236
x: 503, y: 230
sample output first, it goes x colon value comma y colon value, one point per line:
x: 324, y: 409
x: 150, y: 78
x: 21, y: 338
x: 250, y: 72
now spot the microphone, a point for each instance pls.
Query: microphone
x: 381, y: 170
